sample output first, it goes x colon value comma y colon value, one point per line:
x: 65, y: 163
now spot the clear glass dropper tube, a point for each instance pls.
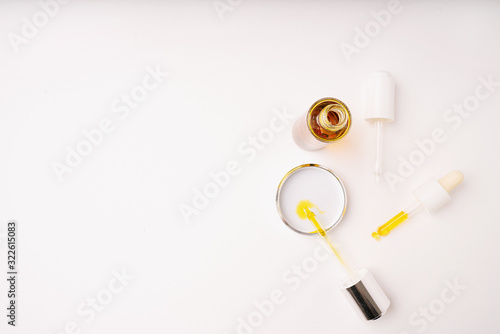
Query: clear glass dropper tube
x: 378, y: 159
x: 396, y: 220
x: 312, y: 218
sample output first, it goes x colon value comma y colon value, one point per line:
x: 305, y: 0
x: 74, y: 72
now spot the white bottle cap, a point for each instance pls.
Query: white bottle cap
x: 380, y: 97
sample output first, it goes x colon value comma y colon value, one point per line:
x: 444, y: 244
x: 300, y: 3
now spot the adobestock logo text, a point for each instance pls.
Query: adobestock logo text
x: 454, y: 117
x: 92, y: 138
x: 373, y: 28
x: 31, y: 27
x: 248, y: 149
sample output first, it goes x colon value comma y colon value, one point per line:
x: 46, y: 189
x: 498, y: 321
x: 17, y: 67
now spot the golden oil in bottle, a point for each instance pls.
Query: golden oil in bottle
x: 327, y: 120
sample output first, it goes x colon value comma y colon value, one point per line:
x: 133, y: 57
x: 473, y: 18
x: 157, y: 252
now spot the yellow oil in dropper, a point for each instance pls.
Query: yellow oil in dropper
x: 304, y: 211
x: 391, y: 224
x: 431, y: 196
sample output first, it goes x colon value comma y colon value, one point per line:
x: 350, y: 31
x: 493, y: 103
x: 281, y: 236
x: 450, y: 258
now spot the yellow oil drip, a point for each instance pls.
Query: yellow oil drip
x: 303, y: 205
x: 304, y: 211
x: 391, y: 224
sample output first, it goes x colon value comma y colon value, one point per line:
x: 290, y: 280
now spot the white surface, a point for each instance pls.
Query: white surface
x: 119, y: 209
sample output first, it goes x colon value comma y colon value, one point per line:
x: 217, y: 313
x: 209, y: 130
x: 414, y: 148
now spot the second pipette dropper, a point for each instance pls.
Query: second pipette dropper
x: 431, y: 195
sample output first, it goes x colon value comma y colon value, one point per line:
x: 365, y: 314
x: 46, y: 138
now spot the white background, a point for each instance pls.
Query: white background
x: 119, y: 209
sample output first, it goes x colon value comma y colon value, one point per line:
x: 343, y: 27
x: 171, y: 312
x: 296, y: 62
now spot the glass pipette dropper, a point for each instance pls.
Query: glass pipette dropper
x: 431, y: 196
x: 379, y: 109
x: 378, y: 158
x: 321, y: 185
x: 314, y: 221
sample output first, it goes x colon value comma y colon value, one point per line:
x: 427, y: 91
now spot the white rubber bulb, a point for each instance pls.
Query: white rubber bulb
x: 451, y: 180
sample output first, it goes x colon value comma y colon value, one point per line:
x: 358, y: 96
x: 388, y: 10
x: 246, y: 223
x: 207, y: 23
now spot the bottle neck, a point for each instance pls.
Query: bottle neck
x: 332, y: 118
